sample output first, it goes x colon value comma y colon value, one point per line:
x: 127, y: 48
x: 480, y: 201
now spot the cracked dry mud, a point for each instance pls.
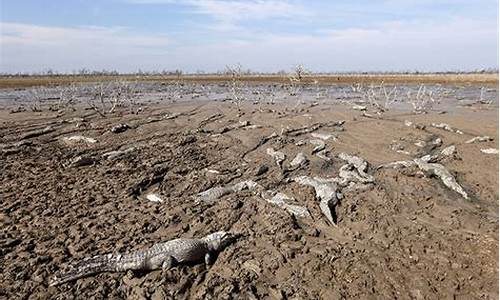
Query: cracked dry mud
x: 405, y: 237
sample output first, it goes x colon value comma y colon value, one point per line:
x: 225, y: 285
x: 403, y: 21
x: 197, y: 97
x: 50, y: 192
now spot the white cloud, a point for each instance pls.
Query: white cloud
x: 228, y: 13
x: 26, y: 47
x: 456, y: 44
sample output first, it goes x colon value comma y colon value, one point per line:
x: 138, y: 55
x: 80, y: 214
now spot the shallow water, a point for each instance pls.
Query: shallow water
x: 390, y: 97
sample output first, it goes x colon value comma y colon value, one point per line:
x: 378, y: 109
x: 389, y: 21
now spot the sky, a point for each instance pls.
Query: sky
x: 264, y: 36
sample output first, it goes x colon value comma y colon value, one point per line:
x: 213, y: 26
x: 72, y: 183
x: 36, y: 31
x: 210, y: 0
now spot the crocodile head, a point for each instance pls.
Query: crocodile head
x: 217, y: 241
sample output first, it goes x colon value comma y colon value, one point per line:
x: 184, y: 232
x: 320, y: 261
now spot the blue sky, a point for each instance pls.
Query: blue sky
x: 127, y: 35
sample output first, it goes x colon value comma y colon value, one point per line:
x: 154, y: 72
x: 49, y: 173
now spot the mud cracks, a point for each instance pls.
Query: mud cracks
x: 328, y: 226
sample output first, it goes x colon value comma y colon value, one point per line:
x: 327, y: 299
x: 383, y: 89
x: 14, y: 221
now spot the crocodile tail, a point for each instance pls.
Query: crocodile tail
x: 84, y: 268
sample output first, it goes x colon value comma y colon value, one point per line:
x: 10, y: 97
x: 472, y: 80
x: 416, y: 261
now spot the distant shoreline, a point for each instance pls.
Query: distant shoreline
x: 487, y: 79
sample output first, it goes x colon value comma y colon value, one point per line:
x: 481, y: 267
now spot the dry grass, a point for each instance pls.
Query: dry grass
x: 466, y: 79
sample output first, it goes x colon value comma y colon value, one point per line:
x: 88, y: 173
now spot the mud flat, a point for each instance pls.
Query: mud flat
x: 72, y: 188
x: 488, y: 79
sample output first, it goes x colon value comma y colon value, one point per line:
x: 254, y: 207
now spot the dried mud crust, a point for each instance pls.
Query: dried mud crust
x: 407, y: 237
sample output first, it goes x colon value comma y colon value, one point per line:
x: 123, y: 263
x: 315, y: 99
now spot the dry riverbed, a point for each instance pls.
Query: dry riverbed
x: 75, y: 184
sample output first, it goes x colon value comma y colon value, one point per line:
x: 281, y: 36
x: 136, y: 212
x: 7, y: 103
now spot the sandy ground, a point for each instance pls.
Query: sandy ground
x: 407, y: 236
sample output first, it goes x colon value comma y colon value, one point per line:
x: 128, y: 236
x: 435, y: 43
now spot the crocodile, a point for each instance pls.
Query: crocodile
x: 160, y: 256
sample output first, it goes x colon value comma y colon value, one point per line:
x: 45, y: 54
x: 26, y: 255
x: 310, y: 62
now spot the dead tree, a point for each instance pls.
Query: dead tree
x: 482, y: 98
x: 295, y: 79
x: 121, y: 94
x: 67, y: 96
x: 106, y: 98
x: 390, y: 97
x: 99, y: 96
x: 236, y: 85
x: 422, y: 101
x: 35, y: 96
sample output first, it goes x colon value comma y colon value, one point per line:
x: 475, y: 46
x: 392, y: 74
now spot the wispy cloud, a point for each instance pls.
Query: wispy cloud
x: 228, y: 13
x: 240, y: 10
x: 34, y: 47
x: 210, y: 34
x: 91, y: 36
x: 457, y: 44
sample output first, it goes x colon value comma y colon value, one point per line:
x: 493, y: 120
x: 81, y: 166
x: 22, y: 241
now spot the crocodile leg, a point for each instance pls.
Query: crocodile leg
x: 168, y: 263
x: 209, y: 258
